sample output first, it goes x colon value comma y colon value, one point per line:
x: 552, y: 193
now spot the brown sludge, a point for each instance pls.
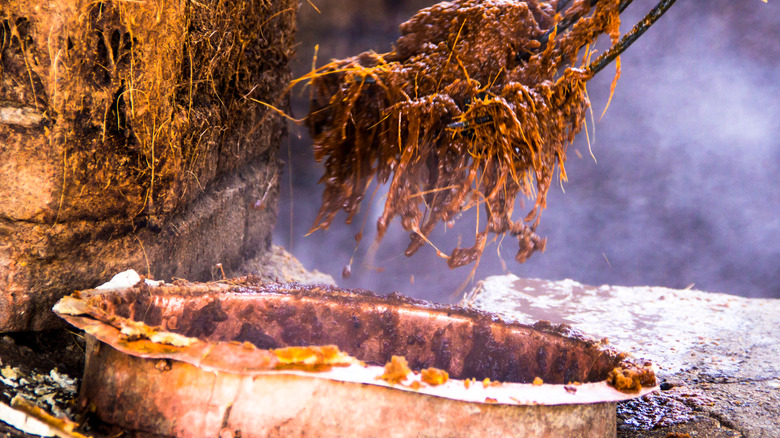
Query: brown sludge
x: 310, y: 358
x: 456, y: 117
x: 631, y: 378
x: 396, y: 370
x: 434, y: 376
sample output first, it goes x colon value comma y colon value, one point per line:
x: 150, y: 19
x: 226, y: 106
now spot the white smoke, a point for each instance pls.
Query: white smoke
x: 684, y: 191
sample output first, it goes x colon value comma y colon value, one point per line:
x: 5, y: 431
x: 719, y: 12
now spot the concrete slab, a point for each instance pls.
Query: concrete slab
x: 718, y: 354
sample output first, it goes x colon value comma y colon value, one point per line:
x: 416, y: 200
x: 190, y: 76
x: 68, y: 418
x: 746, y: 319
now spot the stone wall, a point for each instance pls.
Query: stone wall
x: 132, y: 136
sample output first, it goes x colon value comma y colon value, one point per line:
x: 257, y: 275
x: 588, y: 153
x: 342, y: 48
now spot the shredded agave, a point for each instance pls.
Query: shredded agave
x: 471, y: 109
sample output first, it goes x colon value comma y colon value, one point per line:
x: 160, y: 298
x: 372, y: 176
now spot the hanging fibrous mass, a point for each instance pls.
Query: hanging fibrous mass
x: 475, y: 106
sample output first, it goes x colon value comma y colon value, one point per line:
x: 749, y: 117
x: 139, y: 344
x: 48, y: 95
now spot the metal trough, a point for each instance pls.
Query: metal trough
x: 250, y: 359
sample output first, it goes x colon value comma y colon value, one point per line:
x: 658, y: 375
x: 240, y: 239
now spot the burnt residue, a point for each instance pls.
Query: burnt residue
x: 389, y: 322
x: 252, y: 334
x: 465, y: 343
x: 440, y: 344
x: 145, y: 309
x: 205, y: 319
x: 487, y: 358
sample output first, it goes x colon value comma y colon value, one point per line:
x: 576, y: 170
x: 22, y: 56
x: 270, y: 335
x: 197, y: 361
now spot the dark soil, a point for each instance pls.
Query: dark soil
x: 43, y: 351
x: 43, y: 368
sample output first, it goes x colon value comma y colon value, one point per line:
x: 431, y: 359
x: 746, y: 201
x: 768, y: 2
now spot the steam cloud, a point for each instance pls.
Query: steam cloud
x: 684, y: 190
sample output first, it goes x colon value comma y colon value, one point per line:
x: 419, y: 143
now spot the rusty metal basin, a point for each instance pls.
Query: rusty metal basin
x: 250, y: 359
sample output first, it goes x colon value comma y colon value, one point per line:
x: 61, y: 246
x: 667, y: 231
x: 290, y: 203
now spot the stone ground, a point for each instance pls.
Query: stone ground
x: 718, y: 355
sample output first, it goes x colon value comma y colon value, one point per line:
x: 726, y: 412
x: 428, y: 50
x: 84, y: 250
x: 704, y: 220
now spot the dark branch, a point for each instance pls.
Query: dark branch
x: 563, y: 25
x: 629, y: 38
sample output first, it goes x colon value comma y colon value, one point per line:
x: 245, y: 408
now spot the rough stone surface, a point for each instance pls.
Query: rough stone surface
x: 40, y: 263
x: 132, y: 136
x: 718, y: 354
x: 280, y: 266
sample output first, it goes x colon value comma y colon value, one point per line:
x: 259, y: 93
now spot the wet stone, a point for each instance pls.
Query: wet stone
x: 716, y: 353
